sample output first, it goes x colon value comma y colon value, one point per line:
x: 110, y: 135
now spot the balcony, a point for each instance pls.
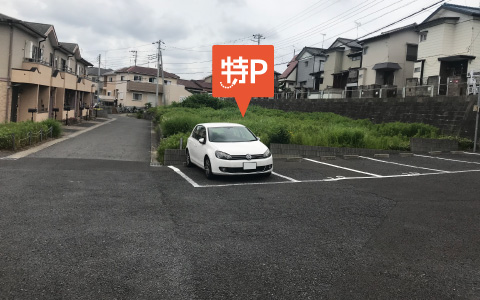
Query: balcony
x: 32, y: 73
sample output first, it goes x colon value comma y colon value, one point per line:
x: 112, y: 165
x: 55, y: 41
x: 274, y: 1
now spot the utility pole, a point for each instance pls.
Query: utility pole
x: 159, y: 61
x: 323, y: 40
x: 358, y: 25
x: 98, y: 79
x: 476, y: 120
x: 258, y: 36
x: 135, y: 56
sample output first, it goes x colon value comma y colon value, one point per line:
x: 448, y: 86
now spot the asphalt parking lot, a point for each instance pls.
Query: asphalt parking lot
x: 90, y: 218
x: 305, y: 170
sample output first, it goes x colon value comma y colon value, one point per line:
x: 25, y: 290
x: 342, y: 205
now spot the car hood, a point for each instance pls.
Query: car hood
x: 243, y: 148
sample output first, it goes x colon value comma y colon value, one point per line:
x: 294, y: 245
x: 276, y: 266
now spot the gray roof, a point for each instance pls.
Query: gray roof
x: 387, y: 34
x: 42, y: 28
x: 69, y: 46
x: 467, y: 10
x: 93, y: 71
x: 5, y: 18
x: 349, y: 42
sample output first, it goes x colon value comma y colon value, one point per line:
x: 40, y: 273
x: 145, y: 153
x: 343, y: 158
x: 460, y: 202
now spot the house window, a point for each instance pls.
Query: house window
x: 412, y: 51
x: 417, y: 70
x: 152, y: 79
x: 137, y: 78
x: 365, y: 50
x: 423, y: 36
x: 137, y: 97
x: 122, y: 78
x: 63, y: 65
x: 306, y: 64
x: 109, y: 93
x: 167, y: 82
x: 354, y: 58
x: 110, y: 79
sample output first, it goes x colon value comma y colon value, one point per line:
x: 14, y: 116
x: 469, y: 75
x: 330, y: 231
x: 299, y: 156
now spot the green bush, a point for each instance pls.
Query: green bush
x: 279, y: 135
x: 204, y: 100
x: 56, y: 127
x: 275, y: 126
x: 22, y: 130
x: 171, y: 142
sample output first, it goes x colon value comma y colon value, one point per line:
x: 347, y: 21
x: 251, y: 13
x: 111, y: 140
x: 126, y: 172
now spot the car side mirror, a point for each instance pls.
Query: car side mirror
x: 258, y: 138
x: 201, y: 141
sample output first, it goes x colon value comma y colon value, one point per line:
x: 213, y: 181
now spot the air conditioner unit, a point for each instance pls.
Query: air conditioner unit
x: 29, y: 49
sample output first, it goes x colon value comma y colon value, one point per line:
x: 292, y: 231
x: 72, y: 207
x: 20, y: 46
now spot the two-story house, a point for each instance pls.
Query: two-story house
x: 288, y: 79
x: 343, y: 60
x: 39, y: 73
x: 448, y: 48
x: 388, y: 60
x: 310, y: 69
x: 136, y: 86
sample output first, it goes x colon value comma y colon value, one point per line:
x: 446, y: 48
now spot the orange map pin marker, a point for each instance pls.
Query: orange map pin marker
x: 242, y: 72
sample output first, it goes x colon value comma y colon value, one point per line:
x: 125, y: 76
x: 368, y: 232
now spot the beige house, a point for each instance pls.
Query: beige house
x: 136, y: 86
x: 448, y: 47
x: 344, y: 58
x: 388, y: 59
x: 37, y: 72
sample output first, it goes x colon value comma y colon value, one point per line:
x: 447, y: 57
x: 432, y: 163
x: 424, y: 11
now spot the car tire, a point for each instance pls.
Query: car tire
x: 188, y: 162
x: 207, y: 166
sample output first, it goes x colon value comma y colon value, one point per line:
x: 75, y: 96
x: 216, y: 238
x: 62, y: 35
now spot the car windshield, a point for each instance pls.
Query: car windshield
x: 230, y: 134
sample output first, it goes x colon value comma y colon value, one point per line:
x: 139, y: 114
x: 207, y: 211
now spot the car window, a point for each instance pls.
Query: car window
x: 198, y: 132
x: 230, y: 134
x: 202, y: 132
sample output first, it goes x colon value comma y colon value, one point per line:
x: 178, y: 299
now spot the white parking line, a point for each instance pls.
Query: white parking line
x: 471, y: 153
x: 184, y: 176
x: 286, y: 177
x: 335, y: 166
x: 394, y: 163
x: 330, y: 179
x: 448, y: 159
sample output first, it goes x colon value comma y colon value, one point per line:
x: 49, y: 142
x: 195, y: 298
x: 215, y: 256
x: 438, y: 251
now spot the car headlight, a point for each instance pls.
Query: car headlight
x: 222, y: 155
x: 267, y: 153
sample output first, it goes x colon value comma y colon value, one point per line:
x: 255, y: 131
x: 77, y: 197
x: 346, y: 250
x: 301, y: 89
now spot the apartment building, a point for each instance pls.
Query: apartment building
x: 448, y: 48
x: 38, y: 73
x: 137, y: 86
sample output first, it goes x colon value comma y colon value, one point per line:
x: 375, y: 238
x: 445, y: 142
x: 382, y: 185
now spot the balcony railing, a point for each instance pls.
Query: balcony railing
x: 37, y: 61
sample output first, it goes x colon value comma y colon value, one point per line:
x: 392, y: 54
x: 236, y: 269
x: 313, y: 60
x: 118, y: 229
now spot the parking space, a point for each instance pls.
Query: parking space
x: 316, y: 170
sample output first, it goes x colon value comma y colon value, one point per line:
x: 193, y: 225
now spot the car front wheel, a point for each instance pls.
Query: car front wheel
x: 208, y: 168
x: 188, y: 162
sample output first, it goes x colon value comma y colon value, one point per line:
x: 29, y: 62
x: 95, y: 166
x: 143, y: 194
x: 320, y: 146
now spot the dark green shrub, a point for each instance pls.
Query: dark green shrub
x: 204, y: 100
x: 57, y: 127
x: 280, y: 135
x: 172, y: 142
x: 179, y: 124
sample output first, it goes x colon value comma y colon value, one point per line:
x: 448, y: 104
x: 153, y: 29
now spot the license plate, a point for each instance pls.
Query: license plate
x: 249, y: 166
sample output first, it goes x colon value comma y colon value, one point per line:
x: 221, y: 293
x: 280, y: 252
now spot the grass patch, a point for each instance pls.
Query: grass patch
x: 22, y: 132
x: 275, y: 126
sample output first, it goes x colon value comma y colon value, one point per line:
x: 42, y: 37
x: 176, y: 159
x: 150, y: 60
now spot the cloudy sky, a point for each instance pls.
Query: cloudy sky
x: 189, y: 28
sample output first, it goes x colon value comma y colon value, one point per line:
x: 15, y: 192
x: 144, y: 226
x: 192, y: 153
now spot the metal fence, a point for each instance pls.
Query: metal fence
x: 19, y: 141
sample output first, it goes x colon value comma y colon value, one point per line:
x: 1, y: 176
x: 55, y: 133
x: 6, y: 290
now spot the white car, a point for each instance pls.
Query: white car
x: 227, y: 149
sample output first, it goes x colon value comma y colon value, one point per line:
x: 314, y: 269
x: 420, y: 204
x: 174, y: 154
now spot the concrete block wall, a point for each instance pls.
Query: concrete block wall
x: 426, y: 145
x: 452, y: 115
x: 174, y: 157
x: 286, y: 150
